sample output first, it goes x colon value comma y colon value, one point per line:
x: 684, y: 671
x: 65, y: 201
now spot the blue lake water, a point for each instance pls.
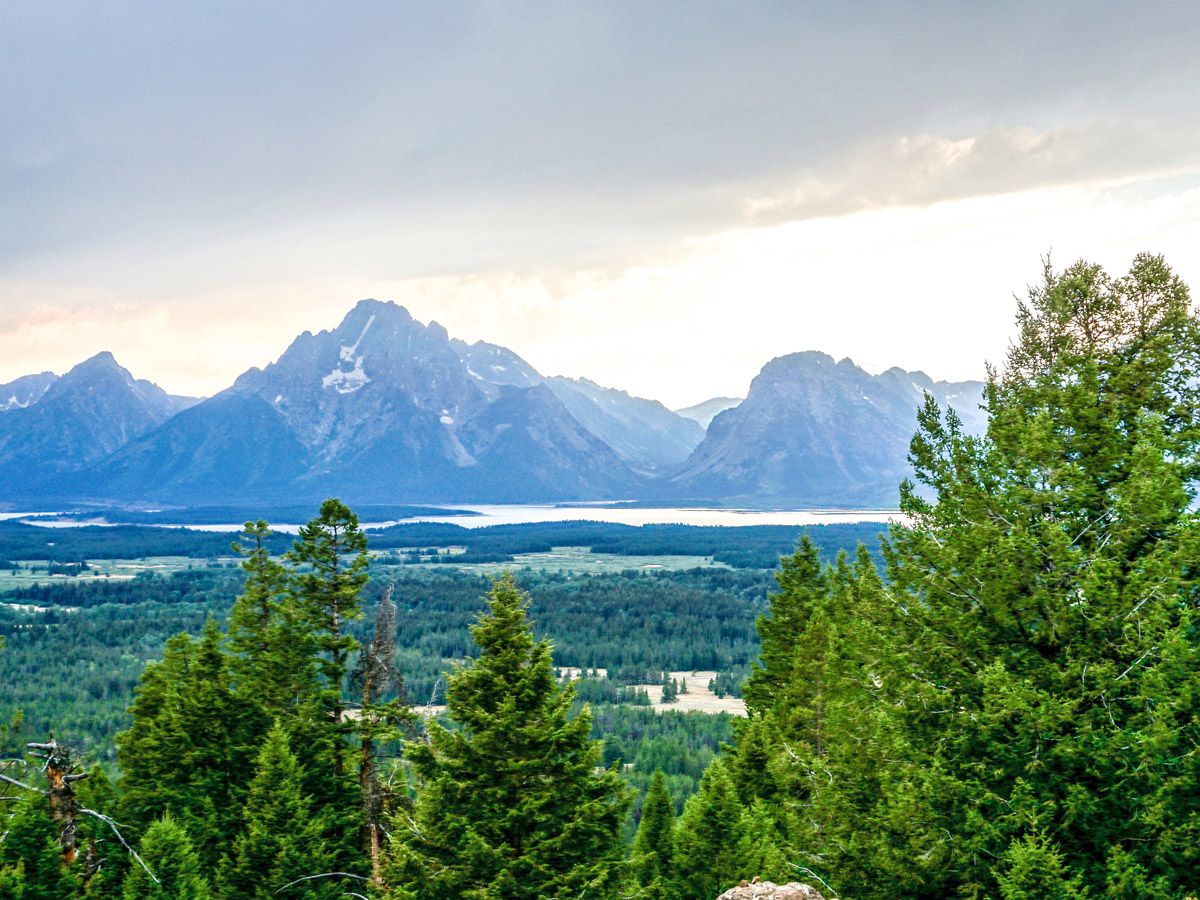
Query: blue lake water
x: 513, y: 514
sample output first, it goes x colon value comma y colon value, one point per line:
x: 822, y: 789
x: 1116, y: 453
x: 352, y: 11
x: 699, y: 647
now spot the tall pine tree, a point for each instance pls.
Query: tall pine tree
x: 509, y: 803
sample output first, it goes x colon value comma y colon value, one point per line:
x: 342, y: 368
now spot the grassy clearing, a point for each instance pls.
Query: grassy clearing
x: 582, y: 560
x: 36, y: 572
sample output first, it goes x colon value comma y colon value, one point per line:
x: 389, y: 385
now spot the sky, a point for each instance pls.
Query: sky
x: 658, y: 196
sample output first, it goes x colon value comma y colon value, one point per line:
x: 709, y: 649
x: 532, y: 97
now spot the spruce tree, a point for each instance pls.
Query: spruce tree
x: 1010, y: 712
x: 272, y: 653
x: 1016, y: 702
x: 509, y: 803
x: 653, y: 846
x: 30, y: 856
x: 802, y: 586
x: 1051, y: 590
x: 167, y: 851
x: 186, y: 750
x: 707, y: 838
x: 328, y: 572
x: 331, y: 560
x: 281, y: 834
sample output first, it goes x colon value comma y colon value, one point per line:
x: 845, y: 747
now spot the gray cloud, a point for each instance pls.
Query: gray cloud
x: 138, y: 128
x: 921, y: 169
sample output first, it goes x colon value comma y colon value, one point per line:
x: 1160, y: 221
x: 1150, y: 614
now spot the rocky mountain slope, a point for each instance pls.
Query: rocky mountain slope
x: 80, y: 419
x: 385, y: 409
x: 25, y: 391
x: 703, y: 413
x: 378, y: 408
x: 815, y: 431
x: 644, y: 433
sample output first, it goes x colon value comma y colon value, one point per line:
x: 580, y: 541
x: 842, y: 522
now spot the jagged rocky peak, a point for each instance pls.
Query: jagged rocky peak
x: 643, y: 432
x: 23, y: 392
x: 101, y: 379
x: 815, y: 431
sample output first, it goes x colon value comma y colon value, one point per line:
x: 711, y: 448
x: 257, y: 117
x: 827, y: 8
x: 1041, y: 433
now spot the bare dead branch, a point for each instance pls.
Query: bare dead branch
x: 19, y: 784
x: 323, y: 875
x: 120, y: 837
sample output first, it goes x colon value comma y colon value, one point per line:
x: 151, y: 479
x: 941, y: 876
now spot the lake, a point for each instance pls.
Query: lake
x: 518, y: 514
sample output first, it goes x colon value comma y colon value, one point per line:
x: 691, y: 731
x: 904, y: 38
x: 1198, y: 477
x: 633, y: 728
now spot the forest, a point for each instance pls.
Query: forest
x: 740, y: 547
x: 1000, y: 698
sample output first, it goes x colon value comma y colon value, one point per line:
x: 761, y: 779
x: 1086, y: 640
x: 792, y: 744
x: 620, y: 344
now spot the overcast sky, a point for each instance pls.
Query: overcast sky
x: 658, y: 196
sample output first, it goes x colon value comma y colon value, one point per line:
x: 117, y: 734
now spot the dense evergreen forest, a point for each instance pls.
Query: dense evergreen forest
x: 740, y: 547
x: 72, y: 668
x: 1002, y: 703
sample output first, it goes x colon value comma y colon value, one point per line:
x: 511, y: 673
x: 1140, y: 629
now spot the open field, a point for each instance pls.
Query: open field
x: 34, y: 572
x: 698, y: 698
x: 582, y: 560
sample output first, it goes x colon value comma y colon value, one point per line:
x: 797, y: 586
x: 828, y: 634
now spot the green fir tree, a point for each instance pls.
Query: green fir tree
x: 281, y: 837
x: 172, y: 868
x: 654, y: 845
x: 509, y: 803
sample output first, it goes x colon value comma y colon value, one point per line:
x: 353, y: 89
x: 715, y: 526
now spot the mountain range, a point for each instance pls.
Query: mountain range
x: 384, y: 408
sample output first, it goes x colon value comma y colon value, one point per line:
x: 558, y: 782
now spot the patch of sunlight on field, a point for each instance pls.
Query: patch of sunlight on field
x: 584, y: 561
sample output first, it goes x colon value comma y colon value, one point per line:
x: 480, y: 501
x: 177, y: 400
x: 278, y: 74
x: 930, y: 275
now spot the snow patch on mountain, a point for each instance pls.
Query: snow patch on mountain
x: 347, y: 382
x: 348, y: 353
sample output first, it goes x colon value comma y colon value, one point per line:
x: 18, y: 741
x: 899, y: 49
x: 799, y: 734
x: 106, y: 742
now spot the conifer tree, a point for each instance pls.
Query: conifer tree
x: 802, y: 586
x: 281, y: 835
x: 329, y: 570
x: 1012, y: 712
x: 167, y: 851
x: 31, y: 858
x: 331, y: 559
x: 383, y: 715
x: 509, y: 804
x: 707, y: 838
x: 761, y: 853
x: 653, y: 846
x: 1048, y: 588
x: 272, y: 656
x: 186, y: 750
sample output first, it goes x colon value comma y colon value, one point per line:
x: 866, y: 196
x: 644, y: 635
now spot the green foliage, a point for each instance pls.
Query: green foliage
x: 281, y: 836
x: 707, y: 839
x: 167, y: 851
x: 1014, y: 712
x: 331, y: 558
x: 1033, y: 869
x: 509, y: 804
x: 31, y: 860
x: 187, y: 749
x: 272, y: 659
x: 739, y: 546
x: 73, y: 668
x: 654, y: 846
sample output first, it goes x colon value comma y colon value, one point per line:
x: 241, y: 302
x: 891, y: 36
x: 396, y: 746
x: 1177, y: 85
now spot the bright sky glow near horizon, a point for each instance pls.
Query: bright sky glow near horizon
x: 658, y: 196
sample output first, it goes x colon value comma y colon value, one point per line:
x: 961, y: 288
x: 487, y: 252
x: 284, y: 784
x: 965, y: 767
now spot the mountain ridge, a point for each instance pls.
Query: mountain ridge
x: 383, y: 407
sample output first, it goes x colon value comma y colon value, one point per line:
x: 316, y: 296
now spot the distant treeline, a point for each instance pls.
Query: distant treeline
x: 19, y: 541
x: 742, y: 547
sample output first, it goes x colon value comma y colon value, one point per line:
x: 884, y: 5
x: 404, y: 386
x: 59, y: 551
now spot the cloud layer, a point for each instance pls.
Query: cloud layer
x: 191, y: 186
